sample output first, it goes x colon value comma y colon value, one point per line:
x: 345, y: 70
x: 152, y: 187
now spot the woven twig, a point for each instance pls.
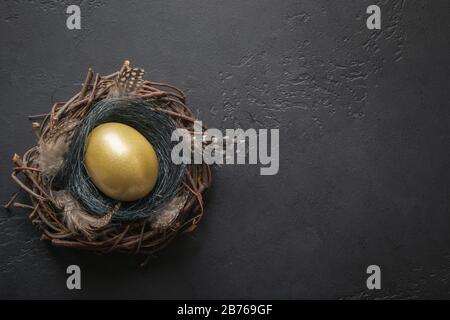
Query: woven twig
x: 132, y: 237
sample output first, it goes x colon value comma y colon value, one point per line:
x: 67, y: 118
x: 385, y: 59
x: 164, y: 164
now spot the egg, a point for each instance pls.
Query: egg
x: 121, y: 162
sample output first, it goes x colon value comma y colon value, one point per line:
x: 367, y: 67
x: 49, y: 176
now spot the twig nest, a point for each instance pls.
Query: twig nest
x: 101, y: 176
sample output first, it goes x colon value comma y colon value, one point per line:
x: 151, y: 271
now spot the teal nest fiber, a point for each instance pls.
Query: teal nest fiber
x: 156, y: 126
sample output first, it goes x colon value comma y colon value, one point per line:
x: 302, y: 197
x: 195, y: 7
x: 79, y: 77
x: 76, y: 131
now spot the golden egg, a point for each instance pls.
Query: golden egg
x: 120, y: 161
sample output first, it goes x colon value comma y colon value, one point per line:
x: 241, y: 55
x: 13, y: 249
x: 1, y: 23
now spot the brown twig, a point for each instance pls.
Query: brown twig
x: 9, y: 203
x: 86, y: 83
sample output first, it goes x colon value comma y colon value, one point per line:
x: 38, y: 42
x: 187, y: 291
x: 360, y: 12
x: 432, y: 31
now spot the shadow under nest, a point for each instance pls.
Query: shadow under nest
x: 49, y: 212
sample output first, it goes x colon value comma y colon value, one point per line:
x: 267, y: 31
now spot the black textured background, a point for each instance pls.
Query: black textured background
x: 364, y: 132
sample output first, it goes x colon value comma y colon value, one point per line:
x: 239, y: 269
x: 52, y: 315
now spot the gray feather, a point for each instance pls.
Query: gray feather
x: 165, y: 215
x: 53, y: 149
x: 76, y: 219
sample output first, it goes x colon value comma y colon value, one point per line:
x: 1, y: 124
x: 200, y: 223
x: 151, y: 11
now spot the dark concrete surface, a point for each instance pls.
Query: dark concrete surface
x: 364, y: 131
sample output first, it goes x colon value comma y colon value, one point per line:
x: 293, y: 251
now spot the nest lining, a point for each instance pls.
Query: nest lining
x: 156, y: 126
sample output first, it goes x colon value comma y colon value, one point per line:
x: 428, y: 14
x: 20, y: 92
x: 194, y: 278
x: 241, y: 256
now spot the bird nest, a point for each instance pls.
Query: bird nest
x: 61, y: 215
